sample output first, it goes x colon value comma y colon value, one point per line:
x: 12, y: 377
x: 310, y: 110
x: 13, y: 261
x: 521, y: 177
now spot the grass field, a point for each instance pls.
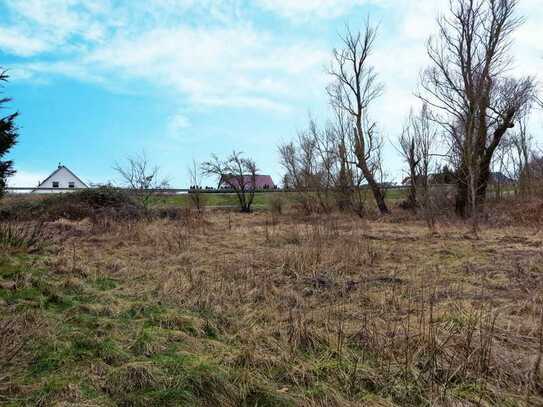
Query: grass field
x: 255, y: 310
x: 261, y: 199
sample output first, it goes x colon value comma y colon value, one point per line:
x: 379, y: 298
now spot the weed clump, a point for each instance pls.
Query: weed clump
x: 20, y: 236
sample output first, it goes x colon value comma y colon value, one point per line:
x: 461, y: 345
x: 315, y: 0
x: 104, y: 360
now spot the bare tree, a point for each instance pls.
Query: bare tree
x: 349, y: 179
x: 468, y: 86
x: 415, y: 146
x: 195, y: 190
x: 514, y: 155
x: 523, y: 154
x: 141, y: 177
x: 311, y: 166
x: 408, y: 150
x: 238, y: 174
x: 355, y: 86
x: 319, y: 167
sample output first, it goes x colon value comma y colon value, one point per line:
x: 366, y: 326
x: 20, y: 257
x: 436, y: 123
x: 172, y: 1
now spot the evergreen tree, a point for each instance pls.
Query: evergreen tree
x: 8, y: 138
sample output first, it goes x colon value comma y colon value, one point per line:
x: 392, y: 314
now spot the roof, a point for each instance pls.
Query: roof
x: 261, y: 181
x: 60, y: 167
x: 500, y: 178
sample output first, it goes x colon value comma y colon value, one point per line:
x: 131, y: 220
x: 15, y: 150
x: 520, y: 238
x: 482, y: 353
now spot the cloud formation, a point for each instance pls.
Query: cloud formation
x: 225, y: 53
x: 307, y: 9
x: 223, y: 61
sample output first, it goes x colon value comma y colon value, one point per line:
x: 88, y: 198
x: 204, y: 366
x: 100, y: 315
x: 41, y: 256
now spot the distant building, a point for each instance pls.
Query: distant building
x: 261, y: 182
x: 500, y: 178
x: 61, y: 178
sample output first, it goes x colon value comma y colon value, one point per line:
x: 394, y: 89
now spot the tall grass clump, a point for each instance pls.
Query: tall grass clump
x: 20, y: 236
x: 277, y: 204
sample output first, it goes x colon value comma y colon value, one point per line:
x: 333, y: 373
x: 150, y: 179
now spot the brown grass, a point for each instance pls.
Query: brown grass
x: 372, y: 312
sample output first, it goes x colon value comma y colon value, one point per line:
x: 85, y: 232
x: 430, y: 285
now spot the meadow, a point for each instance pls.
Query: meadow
x: 271, y: 309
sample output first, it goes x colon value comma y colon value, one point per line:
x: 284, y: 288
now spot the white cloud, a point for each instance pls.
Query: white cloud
x: 177, y: 125
x: 215, y: 67
x: 56, y: 23
x: 224, y: 61
x: 210, y: 53
x: 23, y: 179
x: 180, y: 121
x: 305, y: 9
x: 14, y: 41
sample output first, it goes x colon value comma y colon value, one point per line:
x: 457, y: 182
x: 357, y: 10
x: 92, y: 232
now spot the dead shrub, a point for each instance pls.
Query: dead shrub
x: 21, y: 236
x: 92, y: 203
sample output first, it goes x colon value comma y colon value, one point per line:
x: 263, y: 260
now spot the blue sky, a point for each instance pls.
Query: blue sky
x: 98, y: 80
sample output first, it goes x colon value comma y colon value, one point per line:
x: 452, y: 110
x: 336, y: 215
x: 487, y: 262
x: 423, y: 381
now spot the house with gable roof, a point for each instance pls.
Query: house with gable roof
x: 261, y: 182
x: 61, y: 178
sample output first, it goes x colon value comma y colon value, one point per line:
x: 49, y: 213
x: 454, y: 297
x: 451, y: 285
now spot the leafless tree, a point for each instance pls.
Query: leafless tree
x: 319, y: 167
x: 469, y: 88
x: 195, y: 191
x: 238, y: 174
x: 141, y: 177
x: 307, y: 163
x: 349, y: 180
x: 514, y: 155
x: 415, y: 145
x: 355, y: 86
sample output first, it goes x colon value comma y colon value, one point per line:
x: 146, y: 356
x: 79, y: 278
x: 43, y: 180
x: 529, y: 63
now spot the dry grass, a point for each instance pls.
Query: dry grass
x: 317, y: 311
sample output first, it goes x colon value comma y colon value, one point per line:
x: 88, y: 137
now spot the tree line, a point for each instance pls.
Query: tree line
x: 469, y: 102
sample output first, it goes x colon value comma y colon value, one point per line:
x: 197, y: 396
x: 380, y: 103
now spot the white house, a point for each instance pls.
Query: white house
x: 62, y: 177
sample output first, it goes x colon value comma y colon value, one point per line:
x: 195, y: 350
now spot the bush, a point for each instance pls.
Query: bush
x: 88, y: 203
x: 105, y: 197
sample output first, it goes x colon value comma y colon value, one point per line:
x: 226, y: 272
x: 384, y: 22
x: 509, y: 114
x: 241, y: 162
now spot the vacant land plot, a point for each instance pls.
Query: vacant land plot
x: 255, y: 310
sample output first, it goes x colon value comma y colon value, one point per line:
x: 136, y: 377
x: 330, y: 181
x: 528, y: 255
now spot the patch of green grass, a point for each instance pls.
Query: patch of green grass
x: 11, y: 266
x: 105, y: 283
x: 48, y: 357
x: 131, y: 353
x: 261, y: 199
x: 142, y: 310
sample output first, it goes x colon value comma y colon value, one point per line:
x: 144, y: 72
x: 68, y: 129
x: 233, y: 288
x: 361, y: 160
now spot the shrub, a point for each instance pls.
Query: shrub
x: 88, y: 203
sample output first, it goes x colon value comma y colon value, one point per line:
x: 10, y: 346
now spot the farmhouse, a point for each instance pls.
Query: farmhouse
x: 261, y: 182
x: 61, y: 178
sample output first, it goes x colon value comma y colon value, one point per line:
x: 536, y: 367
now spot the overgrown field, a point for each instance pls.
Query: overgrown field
x: 227, y: 309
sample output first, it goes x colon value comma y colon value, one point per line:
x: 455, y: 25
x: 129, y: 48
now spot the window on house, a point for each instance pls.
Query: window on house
x: 55, y: 184
x: 71, y: 184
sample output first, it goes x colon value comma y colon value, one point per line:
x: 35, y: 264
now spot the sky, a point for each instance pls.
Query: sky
x: 96, y: 81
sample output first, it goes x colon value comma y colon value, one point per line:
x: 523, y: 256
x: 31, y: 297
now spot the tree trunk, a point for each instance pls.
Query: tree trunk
x: 375, y: 189
x: 462, y: 193
x: 412, y: 197
x: 243, y: 205
x: 482, y: 184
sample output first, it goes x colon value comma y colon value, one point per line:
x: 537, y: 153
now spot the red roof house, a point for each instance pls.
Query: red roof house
x: 233, y: 182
